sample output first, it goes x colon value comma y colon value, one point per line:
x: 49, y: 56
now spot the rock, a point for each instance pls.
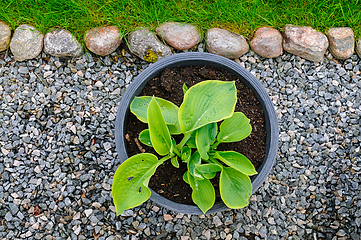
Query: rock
x: 103, y: 40
x: 5, y: 34
x: 179, y: 35
x: 26, y: 43
x: 226, y: 43
x: 61, y: 43
x: 167, y: 217
x: 267, y: 42
x: 147, y: 46
x: 358, y: 47
x: 305, y: 42
x: 217, y: 222
x: 88, y: 212
x: 342, y: 42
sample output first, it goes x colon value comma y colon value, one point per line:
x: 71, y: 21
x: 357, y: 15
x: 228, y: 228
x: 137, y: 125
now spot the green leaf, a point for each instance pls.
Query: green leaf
x: 193, y: 161
x: 204, y: 138
x: 208, y: 170
x: 236, y: 161
x: 186, y: 154
x: 192, y: 141
x: 173, y: 148
x: 203, y: 193
x: 184, y: 88
x: 235, y: 128
x: 207, y: 102
x: 175, y: 162
x: 158, y: 131
x: 144, y: 138
x: 139, y: 107
x: 185, y: 177
x: 130, y: 183
x: 235, y: 188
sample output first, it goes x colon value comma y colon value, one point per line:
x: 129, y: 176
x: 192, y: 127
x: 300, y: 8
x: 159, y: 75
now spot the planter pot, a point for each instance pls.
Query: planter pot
x: 200, y: 59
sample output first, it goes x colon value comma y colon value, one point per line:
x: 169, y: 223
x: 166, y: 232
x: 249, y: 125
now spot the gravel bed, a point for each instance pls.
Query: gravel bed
x: 57, y: 154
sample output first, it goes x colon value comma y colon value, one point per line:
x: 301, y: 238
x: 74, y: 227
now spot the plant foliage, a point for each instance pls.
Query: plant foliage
x: 204, y: 105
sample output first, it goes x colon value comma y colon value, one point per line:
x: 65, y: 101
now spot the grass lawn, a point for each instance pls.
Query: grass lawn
x: 241, y: 16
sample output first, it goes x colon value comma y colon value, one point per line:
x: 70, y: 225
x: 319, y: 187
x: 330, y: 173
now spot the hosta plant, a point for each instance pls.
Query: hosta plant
x: 204, y: 104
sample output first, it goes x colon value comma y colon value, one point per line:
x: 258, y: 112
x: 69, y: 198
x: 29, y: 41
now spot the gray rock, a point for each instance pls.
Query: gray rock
x: 358, y: 47
x: 103, y: 40
x: 8, y: 216
x: 225, y: 43
x: 26, y: 43
x: 127, y: 213
x: 342, y: 42
x: 61, y: 43
x: 23, y: 70
x: 5, y: 34
x: 217, y: 222
x: 13, y: 208
x: 267, y: 42
x: 305, y: 42
x: 147, y: 46
x: 179, y: 35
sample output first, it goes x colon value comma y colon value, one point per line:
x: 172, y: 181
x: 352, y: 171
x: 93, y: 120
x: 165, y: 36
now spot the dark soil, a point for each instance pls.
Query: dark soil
x: 168, y: 180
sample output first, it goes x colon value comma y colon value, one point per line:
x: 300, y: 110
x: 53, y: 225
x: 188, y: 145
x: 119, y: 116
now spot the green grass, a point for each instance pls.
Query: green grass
x: 241, y: 16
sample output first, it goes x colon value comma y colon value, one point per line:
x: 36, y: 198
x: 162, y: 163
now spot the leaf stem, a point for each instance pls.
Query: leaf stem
x: 213, y: 160
x: 186, y: 137
x: 176, y: 151
x: 163, y: 159
x: 215, y: 145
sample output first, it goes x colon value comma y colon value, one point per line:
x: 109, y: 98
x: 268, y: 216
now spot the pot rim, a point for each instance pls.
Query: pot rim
x: 200, y: 59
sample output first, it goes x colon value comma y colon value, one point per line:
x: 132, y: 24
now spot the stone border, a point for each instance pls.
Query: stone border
x: 268, y: 42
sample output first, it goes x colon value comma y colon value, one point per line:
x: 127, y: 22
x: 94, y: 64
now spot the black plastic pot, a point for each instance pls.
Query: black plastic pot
x: 200, y: 59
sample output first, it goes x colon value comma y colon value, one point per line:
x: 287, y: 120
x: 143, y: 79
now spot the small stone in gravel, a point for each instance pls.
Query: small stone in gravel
x: 271, y: 221
x: 26, y: 43
x: 207, y: 234
x: 107, y: 146
x: 76, y: 229
x: 267, y: 42
x: 312, y: 188
x: 88, y: 212
x: 47, y: 74
x: 147, y: 46
x: 8, y: 216
x: 5, y: 34
x: 94, y: 219
x: 179, y: 35
x: 5, y: 151
x: 106, y: 186
x: 167, y: 217
x: 37, y: 169
x: 77, y: 216
x: 155, y: 208
x: 99, y: 84
x: 20, y: 215
x: 342, y: 42
x: 217, y: 222
x: 229, y: 237
x: 305, y: 42
x: 358, y: 48
x: 225, y: 43
x: 127, y: 213
x: 96, y: 205
x: 61, y: 43
x: 23, y: 70
x: 103, y: 40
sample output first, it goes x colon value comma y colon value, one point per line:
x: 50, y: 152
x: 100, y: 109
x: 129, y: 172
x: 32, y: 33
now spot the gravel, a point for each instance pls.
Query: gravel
x: 58, y: 156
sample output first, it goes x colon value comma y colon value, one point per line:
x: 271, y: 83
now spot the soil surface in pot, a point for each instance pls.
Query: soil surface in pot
x: 168, y: 180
